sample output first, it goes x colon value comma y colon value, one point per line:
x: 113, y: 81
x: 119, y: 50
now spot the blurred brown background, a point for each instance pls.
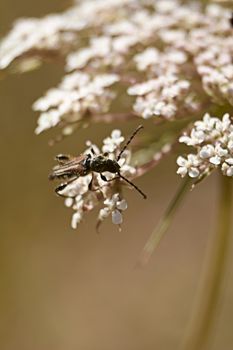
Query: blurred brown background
x: 66, y: 290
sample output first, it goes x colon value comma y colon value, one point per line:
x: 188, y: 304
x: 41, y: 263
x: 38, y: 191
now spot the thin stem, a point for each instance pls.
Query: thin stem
x: 114, y: 117
x: 213, y: 274
x: 164, y: 223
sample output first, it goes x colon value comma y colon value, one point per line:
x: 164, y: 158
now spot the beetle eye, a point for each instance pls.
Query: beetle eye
x: 105, y: 154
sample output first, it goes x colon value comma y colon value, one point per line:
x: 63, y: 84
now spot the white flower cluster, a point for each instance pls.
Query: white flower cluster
x: 212, y: 139
x: 44, y: 37
x: 103, y: 51
x: 114, y: 206
x: 56, y: 33
x: 175, y: 57
x: 161, y: 97
x: 212, y: 48
x: 77, y: 95
x: 83, y: 199
x: 216, y: 70
x: 156, y: 62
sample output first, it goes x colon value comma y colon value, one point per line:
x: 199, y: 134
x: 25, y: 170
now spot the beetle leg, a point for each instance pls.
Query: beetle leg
x: 93, y: 151
x: 105, y: 180
x: 62, y: 158
x: 90, y: 186
x: 103, y: 177
x: 63, y: 186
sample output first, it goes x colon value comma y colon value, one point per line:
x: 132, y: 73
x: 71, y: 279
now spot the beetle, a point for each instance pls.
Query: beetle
x: 70, y: 168
x: 231, y: 20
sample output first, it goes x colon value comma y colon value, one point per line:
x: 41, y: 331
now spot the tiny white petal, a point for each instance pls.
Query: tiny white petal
x: 230, y: 145
x: 117, y: 218
x: 216, y: 160
x: 229, y: 161
x: 181, y: 161
x: 182, y: 171
x: 76, y: 219
x: 221, y: 152
x: 69, y: 202
x: 115, y: 197
x: 194, y: 172
x: 116, y: 134
x: 122, y: 205
x: 206, y: 151
x: 192, y: 158
x: 103, y: 213
x: 185, y: 139
x: 230, y: 171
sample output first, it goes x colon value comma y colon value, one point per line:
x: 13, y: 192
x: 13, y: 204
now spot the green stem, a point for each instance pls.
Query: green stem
x: 213, y: 274
x: 164, y: 223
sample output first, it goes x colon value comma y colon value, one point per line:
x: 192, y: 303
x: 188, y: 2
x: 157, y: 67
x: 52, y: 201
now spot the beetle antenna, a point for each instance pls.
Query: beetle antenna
x: 132, y: 184
x: 129, y: 140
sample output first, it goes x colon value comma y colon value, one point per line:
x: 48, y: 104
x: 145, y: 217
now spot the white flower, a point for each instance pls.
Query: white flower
x: 147, y: 58
x: 229, y: 161
x: 188, y: 166
x: 227, y: 169
x: 161, y: 96
x: 113, y: 142
x: 216, y: 160
x: 144, y: 88
x: 114, y: 206
x: 207, y: 151
x: 77, y: 187
x: 117, y: 218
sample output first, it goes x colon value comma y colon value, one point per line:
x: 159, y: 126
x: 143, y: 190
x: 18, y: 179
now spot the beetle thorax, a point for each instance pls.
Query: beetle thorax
x: 101, y: 164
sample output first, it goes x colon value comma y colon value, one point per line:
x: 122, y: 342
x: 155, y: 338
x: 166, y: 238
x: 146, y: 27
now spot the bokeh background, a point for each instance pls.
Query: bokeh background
x: 66, y: 290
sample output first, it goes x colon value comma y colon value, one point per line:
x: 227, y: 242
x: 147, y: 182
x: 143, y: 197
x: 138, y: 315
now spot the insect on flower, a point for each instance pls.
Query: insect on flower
x: 71, y: 168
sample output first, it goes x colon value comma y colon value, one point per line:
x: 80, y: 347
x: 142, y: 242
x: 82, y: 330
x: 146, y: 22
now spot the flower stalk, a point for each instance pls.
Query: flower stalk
x: 164, y: 223
x: 211, y: 284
